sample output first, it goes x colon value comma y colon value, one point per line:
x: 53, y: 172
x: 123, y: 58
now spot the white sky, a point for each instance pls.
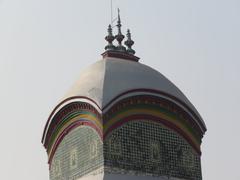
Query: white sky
x: 45, y: 44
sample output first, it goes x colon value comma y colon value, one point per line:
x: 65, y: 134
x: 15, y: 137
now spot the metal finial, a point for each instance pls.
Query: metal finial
x: 119, y: 37
x: 109, y: 38
x: 129, y: 42
x: 119, y: 21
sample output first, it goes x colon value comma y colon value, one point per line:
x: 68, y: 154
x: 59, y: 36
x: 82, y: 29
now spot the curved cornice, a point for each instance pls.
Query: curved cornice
x: 197, y: 118
x: 79, y: 110
x: 64, y: 103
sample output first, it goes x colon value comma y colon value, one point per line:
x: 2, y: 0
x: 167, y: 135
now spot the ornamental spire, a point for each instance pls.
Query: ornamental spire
x: 119, y: 50
x: 119, y: 37
x: 109, y: 38
x: 129, y: 42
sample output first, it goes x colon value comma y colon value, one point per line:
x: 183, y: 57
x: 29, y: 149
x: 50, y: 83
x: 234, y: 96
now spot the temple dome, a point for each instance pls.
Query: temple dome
x: 110, y: 77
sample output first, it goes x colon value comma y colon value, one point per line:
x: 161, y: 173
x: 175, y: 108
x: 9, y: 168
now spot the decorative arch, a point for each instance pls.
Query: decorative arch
x: 155, y: 109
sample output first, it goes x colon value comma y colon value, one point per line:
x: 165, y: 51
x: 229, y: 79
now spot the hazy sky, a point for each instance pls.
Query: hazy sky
x: 45, y: 44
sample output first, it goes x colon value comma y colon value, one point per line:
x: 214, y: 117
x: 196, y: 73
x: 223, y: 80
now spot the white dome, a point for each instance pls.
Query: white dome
x: 109, y: 77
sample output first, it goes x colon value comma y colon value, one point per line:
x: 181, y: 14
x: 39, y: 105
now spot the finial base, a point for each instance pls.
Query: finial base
x: 117, y: 54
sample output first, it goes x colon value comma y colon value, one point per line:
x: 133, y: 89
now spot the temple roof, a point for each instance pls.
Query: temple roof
x: 108, y: 78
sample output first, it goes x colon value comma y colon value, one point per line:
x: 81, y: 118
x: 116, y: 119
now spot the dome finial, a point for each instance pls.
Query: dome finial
x: 129, y: 42
x: 109, y: 38
x: 119, y: 37
x: 119, y: 50
x: 119, y: 22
